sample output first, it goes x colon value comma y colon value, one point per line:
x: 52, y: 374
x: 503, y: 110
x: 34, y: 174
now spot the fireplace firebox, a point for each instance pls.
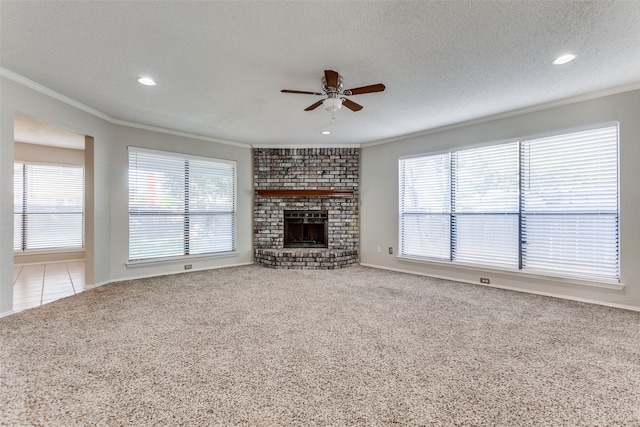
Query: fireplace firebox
x: 305, y: 229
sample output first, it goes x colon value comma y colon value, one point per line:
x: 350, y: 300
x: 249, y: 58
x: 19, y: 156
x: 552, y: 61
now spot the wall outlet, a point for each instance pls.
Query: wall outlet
x: 390, y: 249
x: 484, y: 280
x: 187, y: 266
x: 379, y: 249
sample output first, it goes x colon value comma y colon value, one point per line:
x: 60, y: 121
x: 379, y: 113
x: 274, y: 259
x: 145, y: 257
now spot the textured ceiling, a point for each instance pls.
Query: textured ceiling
x: 220, y: 65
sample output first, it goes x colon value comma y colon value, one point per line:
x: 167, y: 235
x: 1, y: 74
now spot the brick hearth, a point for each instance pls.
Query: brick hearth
x: 306, y: 258
x: 306, y: 179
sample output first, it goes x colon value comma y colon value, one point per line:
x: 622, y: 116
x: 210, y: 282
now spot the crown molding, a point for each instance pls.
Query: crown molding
x: 52, y: 93
x: 80, y: 106
x: 177, y: 133
x: 303, y: 146
x: 513, y: 113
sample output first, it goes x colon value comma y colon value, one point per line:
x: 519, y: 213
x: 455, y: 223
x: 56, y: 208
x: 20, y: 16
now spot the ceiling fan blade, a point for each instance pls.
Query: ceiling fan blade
x: 314, y: 106
x: 331, y: 77
x: 351, y: 105
x: 366, y: 89
x: 301, y: 91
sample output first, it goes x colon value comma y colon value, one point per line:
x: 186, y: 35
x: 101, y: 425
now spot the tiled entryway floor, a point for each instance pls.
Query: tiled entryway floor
x: 37, y: 284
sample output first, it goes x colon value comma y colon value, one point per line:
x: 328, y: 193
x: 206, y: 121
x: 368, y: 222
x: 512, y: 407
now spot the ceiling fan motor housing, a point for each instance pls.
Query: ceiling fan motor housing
x: 328, y: 89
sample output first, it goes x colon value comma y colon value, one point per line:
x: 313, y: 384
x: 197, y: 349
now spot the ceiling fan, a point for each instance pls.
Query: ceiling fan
x: 335, y: 92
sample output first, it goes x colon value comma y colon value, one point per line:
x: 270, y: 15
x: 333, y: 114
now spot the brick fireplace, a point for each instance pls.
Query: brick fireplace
x: 313, y: 190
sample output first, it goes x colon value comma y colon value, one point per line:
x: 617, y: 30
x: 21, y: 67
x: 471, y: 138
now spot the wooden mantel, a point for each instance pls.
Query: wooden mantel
x: 306, y: 193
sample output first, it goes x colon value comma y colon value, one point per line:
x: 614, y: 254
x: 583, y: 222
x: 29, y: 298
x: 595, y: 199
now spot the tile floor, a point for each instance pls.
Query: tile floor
x: 38, y: 284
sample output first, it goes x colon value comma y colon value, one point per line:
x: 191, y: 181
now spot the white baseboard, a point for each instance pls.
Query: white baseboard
x: 510, y: 288
x: 122, y: 279
x: 97, y: 285
x: 6, y: 313
x: 60, y: 261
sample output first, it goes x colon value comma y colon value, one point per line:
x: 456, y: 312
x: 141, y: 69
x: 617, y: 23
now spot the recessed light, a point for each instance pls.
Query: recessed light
x: 147, y: 81
x: 326, y: 132
x: 564, y: 59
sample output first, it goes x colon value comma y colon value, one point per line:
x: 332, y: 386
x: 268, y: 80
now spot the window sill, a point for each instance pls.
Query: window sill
x: 177, y: 259
x: 48, y: 251
x: 518, y: 273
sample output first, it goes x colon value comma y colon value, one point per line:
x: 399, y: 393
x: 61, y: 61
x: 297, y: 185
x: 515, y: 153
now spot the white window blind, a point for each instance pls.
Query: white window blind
x: 547, y: 205
x: 485, y: 206
x: 570, y: 204
x: 425, y: 199
x: 180, y: 205
x: 48, y: 207
x: 18, y: 205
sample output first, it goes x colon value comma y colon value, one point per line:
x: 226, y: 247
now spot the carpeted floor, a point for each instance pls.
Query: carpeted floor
x: 259, y: 347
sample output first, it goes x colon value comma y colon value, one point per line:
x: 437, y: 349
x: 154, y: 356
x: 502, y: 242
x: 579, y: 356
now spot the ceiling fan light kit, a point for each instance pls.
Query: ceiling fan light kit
x: 335, y: 93
x: 332, y: 104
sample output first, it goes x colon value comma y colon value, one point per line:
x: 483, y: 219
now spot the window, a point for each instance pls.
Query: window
x: 547, y: 205
x: 48, y: 207
x: 484, y: 211
x: 180, y: 205
x: 570, y: 203
x: 425, y: 206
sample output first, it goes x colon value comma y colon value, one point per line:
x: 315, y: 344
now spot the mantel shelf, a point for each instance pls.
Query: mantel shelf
x: 306, y: 193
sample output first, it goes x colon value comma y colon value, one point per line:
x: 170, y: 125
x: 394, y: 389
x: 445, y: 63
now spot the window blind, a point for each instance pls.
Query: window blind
x: 485, y: 205
x: 180, y: 205
x: 425, y: 204
x: 18, y: 205
x: 48, y: 206
x: 570, y: 204
x: 547, y: 205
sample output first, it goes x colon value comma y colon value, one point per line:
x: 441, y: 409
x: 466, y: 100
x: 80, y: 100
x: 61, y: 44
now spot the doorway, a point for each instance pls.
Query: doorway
x: 50, y: 172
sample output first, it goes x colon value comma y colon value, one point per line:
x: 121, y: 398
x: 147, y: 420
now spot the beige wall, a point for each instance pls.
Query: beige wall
x: 379, y: 194
x: 29, y: 99
x: 105, y: 157
x: 49, y: 155
x: 106, y: 169
x: 124, y: 136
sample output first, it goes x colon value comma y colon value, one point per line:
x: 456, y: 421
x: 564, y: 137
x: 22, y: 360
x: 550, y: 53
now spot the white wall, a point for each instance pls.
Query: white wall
x: 379, y: 194
x: 125, y: 136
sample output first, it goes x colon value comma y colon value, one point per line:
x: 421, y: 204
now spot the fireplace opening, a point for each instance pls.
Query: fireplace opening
x: 305, y: 229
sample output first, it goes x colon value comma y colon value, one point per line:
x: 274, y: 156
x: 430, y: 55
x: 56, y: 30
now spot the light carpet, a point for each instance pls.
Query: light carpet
x: 358, y: 346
